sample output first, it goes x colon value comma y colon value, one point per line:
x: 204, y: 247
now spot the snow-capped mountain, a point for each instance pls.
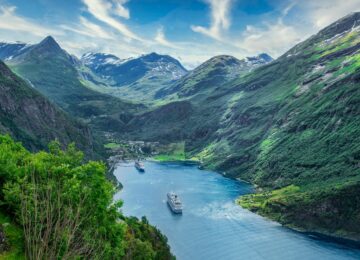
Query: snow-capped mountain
x: 261, y: 59
x: 127, y: 71
x: 9, y: 50
x: 96, y: 60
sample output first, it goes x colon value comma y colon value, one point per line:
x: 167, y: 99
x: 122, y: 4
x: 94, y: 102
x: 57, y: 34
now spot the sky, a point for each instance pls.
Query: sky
x: 189, y: 30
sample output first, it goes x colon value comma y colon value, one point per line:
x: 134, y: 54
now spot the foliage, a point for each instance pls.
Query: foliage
x: 329, y: 209
x: 145, y: 241
x: 112, y: 145
x: 13, y: 239
x: 65, y: 206
x: 172, y: 152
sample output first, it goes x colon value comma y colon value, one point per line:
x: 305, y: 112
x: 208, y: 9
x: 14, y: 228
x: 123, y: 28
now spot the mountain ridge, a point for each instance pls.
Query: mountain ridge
x: 54, y: 73
x: 207, y: 76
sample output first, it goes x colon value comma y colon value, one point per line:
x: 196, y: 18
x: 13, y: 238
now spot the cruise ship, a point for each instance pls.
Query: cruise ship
x: 174, y: 203
x: 139, y: 166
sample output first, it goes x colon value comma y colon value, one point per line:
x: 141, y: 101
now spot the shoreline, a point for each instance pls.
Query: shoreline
x: 322, y: 235
x: 313, y: 234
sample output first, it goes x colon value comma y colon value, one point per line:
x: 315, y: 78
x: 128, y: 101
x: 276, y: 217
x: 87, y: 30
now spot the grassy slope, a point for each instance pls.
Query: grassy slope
x: 310, y: 138
x: 173, y: 152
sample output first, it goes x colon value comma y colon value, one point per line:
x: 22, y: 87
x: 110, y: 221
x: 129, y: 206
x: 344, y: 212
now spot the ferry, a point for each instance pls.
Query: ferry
x: 139, y: 166
x: 174, y: 203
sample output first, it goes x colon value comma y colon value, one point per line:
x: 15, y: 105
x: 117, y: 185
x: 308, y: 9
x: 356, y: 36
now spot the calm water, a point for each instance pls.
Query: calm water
x: 212, y: 226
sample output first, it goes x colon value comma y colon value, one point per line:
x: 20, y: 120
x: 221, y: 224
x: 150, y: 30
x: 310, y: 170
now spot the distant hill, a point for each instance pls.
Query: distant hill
x: 30, y: 118
x: 135, y: 78
x: 210, y: 75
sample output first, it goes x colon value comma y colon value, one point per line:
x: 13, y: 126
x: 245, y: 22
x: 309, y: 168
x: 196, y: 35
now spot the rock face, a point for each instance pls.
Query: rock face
x: 32, y: 119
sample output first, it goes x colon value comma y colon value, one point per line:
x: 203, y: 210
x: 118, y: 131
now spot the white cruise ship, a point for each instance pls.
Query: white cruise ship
x: 174, y: 202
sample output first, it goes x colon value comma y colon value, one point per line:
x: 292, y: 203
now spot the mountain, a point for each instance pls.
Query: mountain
x: 208, y: 76
x: 10, y: 50
x: 134, y: 78
x: 290, y: 126
x: 30, y: 118
x: 53, y: 72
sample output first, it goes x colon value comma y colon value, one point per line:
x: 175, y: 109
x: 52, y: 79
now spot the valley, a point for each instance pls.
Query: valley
x: 290, y: 126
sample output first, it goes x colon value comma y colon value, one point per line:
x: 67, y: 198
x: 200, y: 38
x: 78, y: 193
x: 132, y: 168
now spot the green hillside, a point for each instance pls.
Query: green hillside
x: 294, y: 122
x: 32, y: 119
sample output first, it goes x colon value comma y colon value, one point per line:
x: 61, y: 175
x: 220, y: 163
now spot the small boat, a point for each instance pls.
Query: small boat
x: 174, y: 203
x: 139, y: 166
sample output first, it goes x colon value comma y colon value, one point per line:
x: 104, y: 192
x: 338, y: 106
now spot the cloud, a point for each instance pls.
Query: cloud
x: 120, y: 10
x: 94, y: 29
x: 273, y: 38
x: 106, y: 10
x: 88, y: 28
x: 9, y: 20
x: 323, y: 12
x: 161, y: 39
x: 220, y: 19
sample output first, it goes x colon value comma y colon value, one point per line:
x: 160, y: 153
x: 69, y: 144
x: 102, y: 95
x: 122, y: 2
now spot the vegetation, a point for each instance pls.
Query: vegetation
x: 13, y: 246
x: 66, y: 209
x: 172, y: 152
x: 331, y: 210
x: 112, y: 145
x: 142, y: 241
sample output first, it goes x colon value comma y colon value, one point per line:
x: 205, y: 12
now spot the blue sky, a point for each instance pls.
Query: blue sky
x: 190, y: 30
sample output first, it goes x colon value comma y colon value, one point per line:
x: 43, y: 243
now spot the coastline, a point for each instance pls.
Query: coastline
x: 313, y: 233
x: 317, y: 234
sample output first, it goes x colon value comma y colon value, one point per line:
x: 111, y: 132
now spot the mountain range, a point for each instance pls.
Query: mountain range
x: 290, y: 125
x: 53, y: 72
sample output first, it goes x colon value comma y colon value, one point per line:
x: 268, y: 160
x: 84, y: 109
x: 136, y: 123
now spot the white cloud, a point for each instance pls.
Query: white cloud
x: 89, y: 29
x: 9, y: 20
x: 120, y: 10
x: 271, y: 38
x: 105, y: 12
x: 220, y: 19
x: 161, y: 39
x: 323, y: 12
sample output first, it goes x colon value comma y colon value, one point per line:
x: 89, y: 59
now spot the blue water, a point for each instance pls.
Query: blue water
x: 212, y: 226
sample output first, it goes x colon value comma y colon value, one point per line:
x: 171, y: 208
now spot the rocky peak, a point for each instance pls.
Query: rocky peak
x: 49, y: 45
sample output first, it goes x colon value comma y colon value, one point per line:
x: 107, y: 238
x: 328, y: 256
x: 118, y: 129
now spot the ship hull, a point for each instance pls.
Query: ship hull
x: 140, y: 169
x: 173, y: 209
